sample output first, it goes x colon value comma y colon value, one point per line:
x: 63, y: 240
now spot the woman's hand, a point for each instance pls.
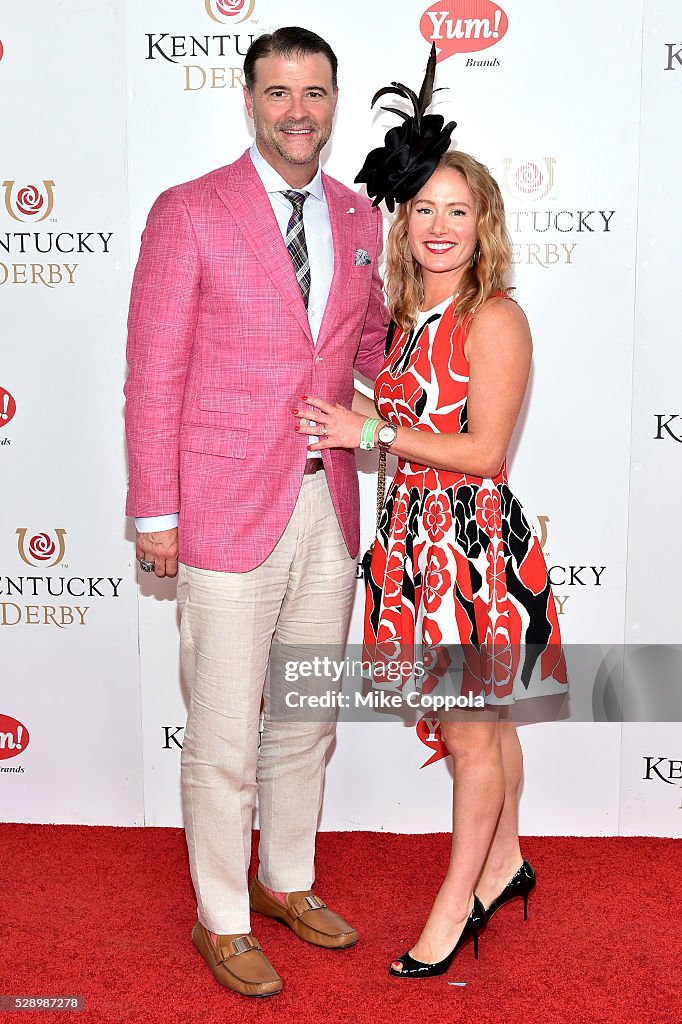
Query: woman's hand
x: 336, y: 426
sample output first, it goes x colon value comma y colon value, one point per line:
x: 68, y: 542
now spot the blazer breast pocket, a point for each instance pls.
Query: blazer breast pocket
x: 359, y: 284
x: 362, y: 258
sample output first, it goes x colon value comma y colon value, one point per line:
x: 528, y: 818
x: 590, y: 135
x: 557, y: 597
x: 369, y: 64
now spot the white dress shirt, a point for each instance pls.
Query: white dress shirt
x: 320, y: 245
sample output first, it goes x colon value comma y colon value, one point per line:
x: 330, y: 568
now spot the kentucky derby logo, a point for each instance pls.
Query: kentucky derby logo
x: 41, y: 548
x: 223, y: 10
x: 529, y: 180
x: 542, y: 523
x: 463, y: 26
x: 28, y: 202
x: 8, y: 407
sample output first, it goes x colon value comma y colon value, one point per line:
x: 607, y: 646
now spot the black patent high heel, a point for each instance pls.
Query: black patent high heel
x: 521, y: 884
x: 416, y: 969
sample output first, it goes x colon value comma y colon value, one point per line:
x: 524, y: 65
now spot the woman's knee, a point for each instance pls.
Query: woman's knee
x: 471, y: 740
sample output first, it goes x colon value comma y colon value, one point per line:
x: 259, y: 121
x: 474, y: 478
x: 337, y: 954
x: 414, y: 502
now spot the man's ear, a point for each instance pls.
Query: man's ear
x: 248, y: 102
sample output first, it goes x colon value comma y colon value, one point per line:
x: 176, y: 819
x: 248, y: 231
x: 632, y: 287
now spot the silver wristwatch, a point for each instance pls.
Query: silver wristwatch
x: 386, y: 435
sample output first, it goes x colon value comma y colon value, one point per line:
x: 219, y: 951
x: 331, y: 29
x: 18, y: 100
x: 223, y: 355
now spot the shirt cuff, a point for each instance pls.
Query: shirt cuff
x: 150, y: 524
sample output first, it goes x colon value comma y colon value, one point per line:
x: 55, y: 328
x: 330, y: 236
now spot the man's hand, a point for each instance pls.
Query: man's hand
x: 161, y: 548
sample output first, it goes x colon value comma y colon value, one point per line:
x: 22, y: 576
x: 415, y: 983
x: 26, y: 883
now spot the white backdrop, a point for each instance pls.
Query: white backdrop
x: 574, y: 107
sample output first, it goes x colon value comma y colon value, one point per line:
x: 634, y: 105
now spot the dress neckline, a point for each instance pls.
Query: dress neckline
x: 425, y: 314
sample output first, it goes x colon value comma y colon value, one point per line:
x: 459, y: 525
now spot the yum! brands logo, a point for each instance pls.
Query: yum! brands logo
x: 8, y: 407
x: 463, y: 26
x: 14, y: 737
x: 226, y: 10
x: 428, y: 731
x: 29, y: 203
x: 42, y: 549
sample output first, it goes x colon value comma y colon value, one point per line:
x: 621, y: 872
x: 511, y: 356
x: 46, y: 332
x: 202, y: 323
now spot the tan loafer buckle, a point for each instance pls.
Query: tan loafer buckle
x: 236, y: 946
x: 310, y: 902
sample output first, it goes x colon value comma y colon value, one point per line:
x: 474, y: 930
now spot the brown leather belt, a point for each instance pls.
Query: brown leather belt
x: 312, y: 466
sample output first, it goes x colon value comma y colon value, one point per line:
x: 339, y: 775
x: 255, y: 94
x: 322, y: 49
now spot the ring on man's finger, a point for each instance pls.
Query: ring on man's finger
x: 146, y: 565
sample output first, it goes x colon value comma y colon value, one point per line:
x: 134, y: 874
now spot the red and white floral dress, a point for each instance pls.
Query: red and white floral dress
x: 456, y: 561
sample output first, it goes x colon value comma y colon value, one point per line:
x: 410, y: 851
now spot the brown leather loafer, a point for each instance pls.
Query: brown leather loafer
x: 307, y: 915
x: 237, y: 962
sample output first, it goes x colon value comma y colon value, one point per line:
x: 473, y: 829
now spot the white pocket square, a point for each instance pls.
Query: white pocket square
x: 362, y: 258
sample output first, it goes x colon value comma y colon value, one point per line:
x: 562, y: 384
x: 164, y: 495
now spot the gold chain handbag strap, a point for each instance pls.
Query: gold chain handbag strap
x: 381, y: 486
x: 381, y: 472
x: 381, y: 490
x: 381, y: 479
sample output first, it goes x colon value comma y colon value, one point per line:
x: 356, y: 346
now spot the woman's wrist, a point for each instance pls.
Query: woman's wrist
x: 368, y: 433
x: 386, y: 435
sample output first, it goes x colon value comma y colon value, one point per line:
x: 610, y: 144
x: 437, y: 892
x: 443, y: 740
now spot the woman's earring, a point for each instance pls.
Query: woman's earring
x: 477, y: 255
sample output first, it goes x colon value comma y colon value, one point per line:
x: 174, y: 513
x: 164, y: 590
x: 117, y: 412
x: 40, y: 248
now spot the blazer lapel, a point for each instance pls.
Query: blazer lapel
x: 243, y: 194
x: 341, y: 225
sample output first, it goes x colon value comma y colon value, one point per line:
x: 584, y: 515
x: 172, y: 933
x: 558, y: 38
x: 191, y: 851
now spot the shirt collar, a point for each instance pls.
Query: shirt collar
x: 274, y: 182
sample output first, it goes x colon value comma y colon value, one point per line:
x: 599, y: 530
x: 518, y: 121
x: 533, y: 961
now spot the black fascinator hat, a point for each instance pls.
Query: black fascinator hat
x: 410, y: 154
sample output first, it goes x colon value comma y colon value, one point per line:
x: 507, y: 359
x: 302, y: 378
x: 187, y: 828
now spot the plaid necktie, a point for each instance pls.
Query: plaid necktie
x: 295, y: 242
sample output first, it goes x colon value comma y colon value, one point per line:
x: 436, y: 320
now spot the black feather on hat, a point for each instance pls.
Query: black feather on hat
x: 396, y: 171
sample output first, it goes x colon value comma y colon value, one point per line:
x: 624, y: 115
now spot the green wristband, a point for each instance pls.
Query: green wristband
x: 367, y: 433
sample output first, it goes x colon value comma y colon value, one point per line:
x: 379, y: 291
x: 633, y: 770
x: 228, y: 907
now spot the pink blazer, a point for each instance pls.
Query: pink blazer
x: 220, y: 352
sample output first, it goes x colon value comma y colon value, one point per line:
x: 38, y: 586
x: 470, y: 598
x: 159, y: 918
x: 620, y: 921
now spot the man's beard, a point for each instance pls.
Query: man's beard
x: 271, y: 138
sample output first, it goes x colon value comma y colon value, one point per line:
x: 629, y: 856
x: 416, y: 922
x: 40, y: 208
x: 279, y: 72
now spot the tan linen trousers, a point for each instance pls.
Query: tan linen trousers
x: 301, y: 594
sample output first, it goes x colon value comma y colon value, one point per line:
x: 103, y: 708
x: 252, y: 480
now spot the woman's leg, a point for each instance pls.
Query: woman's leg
x: 478, y: 796
x: 504, y: 856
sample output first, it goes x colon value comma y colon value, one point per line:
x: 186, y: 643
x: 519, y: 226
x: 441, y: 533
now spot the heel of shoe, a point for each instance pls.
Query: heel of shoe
x: 521, y: 884
x: 475, y: 945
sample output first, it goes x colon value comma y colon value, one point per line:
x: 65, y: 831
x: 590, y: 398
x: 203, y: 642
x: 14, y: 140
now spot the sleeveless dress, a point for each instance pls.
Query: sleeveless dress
x: 455, y: 560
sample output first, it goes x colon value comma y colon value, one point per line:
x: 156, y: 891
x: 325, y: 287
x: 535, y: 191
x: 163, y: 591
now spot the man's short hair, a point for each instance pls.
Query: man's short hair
x: 287, y: 42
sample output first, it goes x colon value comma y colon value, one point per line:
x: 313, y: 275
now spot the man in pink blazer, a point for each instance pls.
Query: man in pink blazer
x: 257, y: 284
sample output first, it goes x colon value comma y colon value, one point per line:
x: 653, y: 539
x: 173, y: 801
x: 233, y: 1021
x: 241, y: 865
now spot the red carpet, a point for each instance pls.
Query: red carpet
x: 106, y: 913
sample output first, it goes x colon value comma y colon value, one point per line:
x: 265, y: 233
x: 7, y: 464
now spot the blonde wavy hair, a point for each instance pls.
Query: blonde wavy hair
x: 489, y: 268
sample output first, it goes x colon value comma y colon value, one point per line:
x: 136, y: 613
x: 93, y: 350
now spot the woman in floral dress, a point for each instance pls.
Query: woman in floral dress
x: 456, y: 561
